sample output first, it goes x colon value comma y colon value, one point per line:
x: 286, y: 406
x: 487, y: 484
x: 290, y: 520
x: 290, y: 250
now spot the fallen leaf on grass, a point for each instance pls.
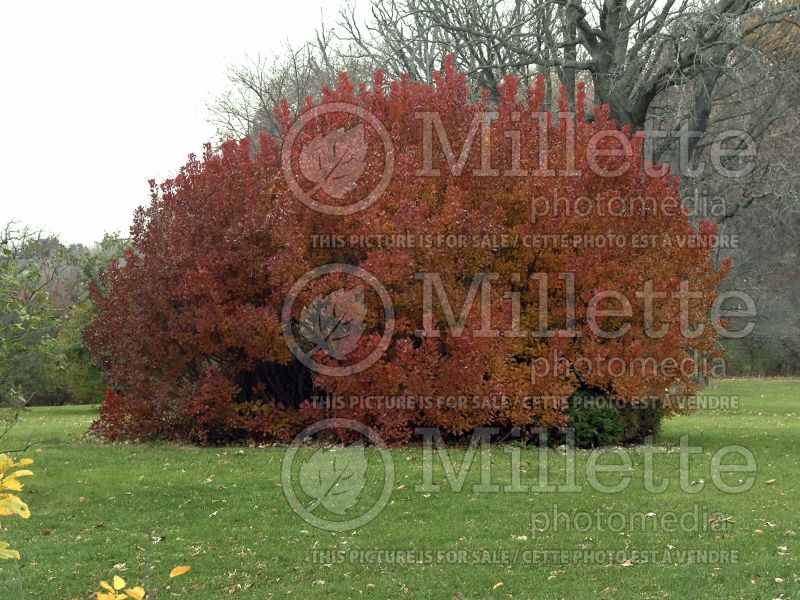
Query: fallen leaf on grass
x: 181, y: 570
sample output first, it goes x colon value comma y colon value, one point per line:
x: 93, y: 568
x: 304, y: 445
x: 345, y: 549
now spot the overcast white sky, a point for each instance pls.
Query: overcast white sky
x: 98, y: 97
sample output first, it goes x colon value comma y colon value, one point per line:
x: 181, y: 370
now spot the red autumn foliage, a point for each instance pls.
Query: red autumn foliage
x: 189, y: 325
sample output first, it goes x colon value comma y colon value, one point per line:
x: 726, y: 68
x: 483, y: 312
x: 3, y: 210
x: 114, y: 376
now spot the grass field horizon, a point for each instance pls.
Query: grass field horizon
x: 222, y: 510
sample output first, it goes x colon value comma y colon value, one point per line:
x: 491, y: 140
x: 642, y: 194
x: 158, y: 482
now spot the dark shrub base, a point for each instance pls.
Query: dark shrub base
x: 598, y: 420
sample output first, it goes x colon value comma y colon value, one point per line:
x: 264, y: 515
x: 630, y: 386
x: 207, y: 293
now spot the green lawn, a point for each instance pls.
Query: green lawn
x: 223, y: 511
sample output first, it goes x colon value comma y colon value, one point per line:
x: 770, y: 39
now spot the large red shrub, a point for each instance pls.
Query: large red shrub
x: 189, y: 325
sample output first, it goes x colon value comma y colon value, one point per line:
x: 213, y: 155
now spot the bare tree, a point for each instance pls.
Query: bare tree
x: 258, y: 84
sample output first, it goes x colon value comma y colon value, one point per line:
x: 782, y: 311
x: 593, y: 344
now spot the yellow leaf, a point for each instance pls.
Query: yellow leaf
x: 178, y: 571
x: 136, y: 593
x: 6, y: 463
x: 5, y: 553
x: 11, y: 483
x: 118, y: 582
x: 11, y: 505
x: 21, y: 473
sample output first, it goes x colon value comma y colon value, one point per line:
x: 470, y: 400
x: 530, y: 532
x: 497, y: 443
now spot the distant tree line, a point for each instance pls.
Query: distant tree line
x: 44, y: 309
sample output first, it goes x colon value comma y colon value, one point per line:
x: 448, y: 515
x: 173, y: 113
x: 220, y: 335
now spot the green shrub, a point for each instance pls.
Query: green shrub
x: 600, y: 420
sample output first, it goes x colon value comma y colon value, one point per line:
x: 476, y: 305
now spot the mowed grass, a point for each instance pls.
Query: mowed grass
x: 223, y: 511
